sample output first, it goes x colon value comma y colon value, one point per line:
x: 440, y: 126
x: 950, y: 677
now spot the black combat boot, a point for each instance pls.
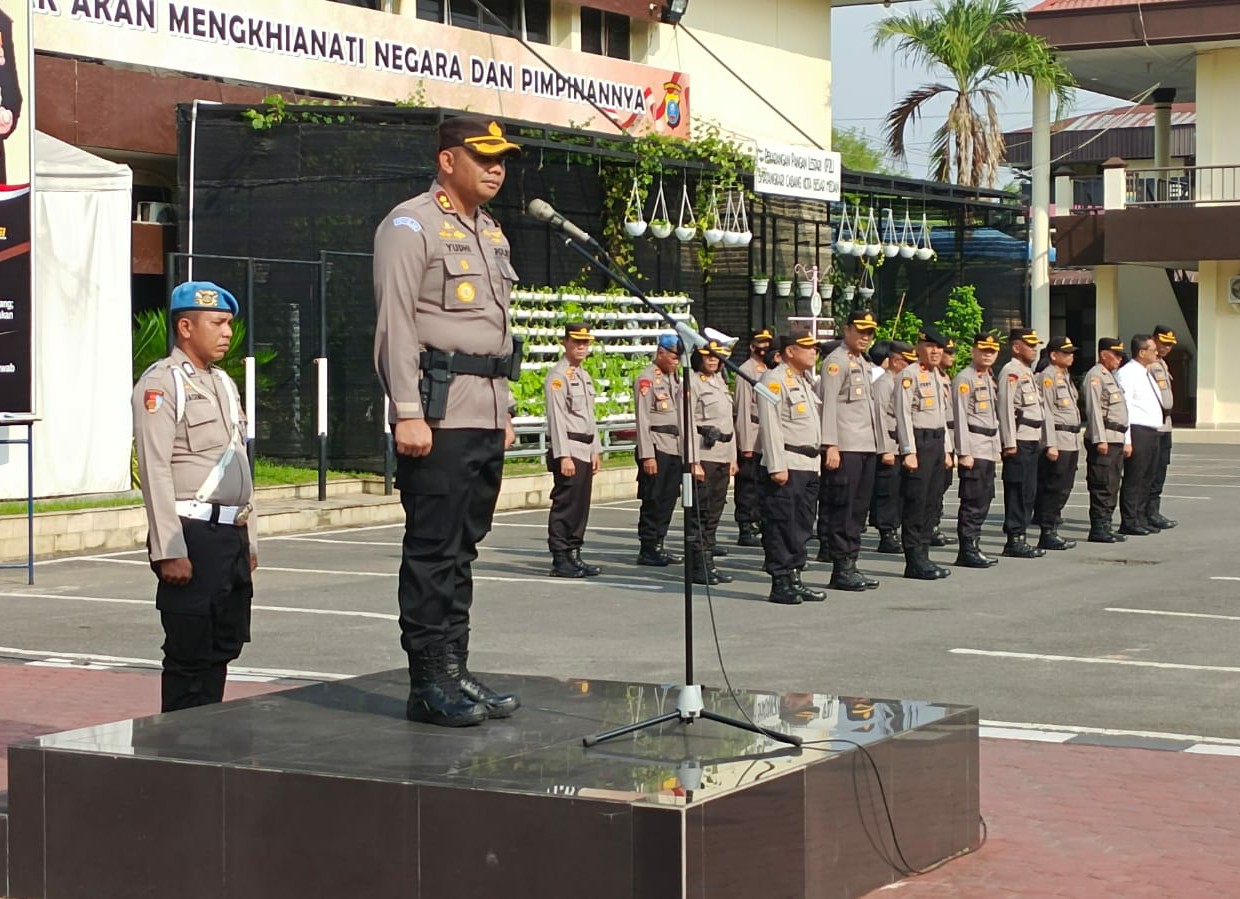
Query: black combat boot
x: 650, y: 555
x: 917, y: 565
x: 971, y: 556
x: 435, y: 695
x: 824, y: 552
x: 809, y: 594
x: 750, y: 534
x: 718, y: 576
x: 498, y: 705
x: 870, y: 582
x: 672, y: 558
x: 1050, y: 539
x: 1100, y: 532
x: 938, y: 538
x: 699, y: 569
x: 584, y: 567
x: 562, y: 564
x: 844, y: 576
x: 719, y: 552
x: 1156, y: 519
x: 782, y: 591
x: 1017, y: 548
x: 889, y: 541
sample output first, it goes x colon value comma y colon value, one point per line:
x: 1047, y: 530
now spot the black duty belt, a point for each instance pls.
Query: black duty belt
x: 580, y: 438
x: 1071, y: 429
x: 985, y: 432
x: 465, y: 364
x: 929, y: 433
x: 724, y: 438
x: 811, y: 451
x: 1021, y: 419
x: 666, y: 429
x: 1113, y: 426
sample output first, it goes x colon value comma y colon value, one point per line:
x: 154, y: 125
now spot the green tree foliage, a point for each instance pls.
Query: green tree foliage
x: 978, y: 47
x: 962, y: 321
x: 905, y: 328
x: 859, y: 153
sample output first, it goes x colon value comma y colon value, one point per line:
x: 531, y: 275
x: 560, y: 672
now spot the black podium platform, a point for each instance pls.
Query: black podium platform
x: 326, y: 791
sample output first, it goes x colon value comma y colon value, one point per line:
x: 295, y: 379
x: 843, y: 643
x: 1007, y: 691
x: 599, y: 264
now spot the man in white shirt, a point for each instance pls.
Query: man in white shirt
x: 1145, y: 417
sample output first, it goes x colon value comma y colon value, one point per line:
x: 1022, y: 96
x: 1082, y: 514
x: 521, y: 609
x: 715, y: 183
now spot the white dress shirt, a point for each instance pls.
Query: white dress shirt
x: 1141, y: 395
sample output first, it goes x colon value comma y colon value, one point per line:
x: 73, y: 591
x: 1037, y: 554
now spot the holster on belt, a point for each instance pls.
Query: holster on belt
x: 437, y: 377
x: 710, y: 435
x: 514, y: 360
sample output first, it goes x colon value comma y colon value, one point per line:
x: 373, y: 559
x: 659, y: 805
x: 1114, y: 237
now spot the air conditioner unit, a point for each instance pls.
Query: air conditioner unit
x: 1233, y: 292
x: 159, y: 213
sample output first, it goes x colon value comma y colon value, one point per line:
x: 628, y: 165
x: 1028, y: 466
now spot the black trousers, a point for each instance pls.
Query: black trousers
x: 1055, y: 481
x: 1134, y: 494
x: 709, y: 496
x: 787, y: 519
x: 1102, y: 476
x: 885, y: 499
x: 843, y: 498
x: 207, y: 621
x: 657, y: 493
x: 449, y: 500
x: 977, y: 492
x: 1020, y: 488
x: 920, y: 489
x: 570, y: 506
x: 745, y: 489
x: 1160, y: 473
x: 938, y: 504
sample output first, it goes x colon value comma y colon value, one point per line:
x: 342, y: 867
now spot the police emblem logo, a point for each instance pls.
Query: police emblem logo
x: 906, y: 383
x: 964, y: 388
x: 1094, y: 382
x: 800, y: 407
x: 464, y: 265
x: 557, y: 384
x: 643, y: 386
x: 663, y: 405
x: 833, y: 369
x: 929, y: 402
x: 1047, y: 382
x: 152, y: 400
x: 465, y: 292
x: 207, y: 298
x: 1013, y: 377
x: 774, y: 385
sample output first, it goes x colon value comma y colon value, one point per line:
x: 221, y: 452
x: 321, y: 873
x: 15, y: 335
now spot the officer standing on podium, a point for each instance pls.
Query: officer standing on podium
x: 1057, y: 464
x: 443, y: 278
x: 977, y: 449
x: 189, y: 430
x: 748, y: 456
x: 1022, y: 432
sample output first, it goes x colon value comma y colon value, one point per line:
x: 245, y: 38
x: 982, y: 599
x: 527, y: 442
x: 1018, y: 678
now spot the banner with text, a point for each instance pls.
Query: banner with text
x: 16, y: 140
x: 353, y: 52
x: 797, y: 172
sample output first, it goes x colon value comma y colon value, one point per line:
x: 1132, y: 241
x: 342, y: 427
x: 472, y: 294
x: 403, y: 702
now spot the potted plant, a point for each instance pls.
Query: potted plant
x: 759, y: 283
x: 660, y: 228
x: 805, y: 289
x: 783, y: 286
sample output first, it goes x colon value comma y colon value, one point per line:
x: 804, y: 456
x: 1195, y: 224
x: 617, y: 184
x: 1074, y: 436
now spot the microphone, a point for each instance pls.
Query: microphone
x: 545, y: 212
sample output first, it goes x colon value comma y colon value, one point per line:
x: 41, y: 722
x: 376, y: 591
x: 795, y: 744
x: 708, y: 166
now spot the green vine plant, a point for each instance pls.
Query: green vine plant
x: 961, y: 321
x: 277, y: 112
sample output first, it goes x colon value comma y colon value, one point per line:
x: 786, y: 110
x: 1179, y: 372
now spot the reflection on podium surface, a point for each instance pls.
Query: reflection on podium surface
x: 356, y: 728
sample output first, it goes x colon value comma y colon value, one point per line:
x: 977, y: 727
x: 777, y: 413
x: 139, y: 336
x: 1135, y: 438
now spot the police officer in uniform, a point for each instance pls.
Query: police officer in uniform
x: 885, y: 502
x: 937, y: 537
x: 656, y: 394
x: 1057, y: 464
x: 712, y: 458
x: 790, y: 438
x: 1106, y: 423
x: 976, y: 432
x: 852, y: 435
x: 1164, y: 341
x: 573, y: 458
x: 1021, y: 431
x: 189, y: 430
x: 925, y: 452
x: 748, y: 458
x: 443, y: 351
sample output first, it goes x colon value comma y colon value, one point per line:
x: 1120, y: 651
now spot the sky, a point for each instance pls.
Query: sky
x: 884, y: 79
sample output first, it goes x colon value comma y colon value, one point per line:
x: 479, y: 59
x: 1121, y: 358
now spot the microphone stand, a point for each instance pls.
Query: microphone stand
x: 689, y: 700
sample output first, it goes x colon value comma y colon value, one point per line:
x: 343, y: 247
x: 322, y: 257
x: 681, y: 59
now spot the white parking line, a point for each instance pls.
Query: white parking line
x: 1013, y: 733
x: 1039, y: 657
x: 1207, y: 749
x: 1177, y: 614
x: 156, y: 663
x: 116, y: 600
x: 1110, y: 732
x: 1223, y: 578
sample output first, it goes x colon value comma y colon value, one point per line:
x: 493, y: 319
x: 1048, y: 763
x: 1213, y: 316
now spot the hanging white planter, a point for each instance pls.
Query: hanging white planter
x: 908, y: 241
x: 805, y: 289
x: 759, y: 285
x: 858, y: 234
x: 873, y: 244
x: 825, y: 289
x: 744, y: 235
x: 634, y: 222
x: 849, y: 291
x: 783, y: 287
x: 660, y: 224
x: 731, y: 233
x: 686, y: 230
x: 891, y: 242
x: 865, y: 289
x: 924, y: 248
x: 844, y: 242
x: 714, y: 234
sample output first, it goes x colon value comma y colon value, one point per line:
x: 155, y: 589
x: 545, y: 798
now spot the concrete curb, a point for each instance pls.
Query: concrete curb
x: 284, y: 510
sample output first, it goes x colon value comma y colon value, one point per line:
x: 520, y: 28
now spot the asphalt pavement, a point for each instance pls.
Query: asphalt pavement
x: 1135, y: 637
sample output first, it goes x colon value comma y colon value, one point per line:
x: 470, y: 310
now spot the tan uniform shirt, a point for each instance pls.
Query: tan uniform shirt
x: 919, y: 404
x: 442, y: 280
x: 1106, y: 411
x: 793, y: 421
x: 1063, y: 416
x: 883, y: 393
x: 1020, y: 405
x: 657, y: 398
x: 175, y: 457
x: 571, y: 427
x: 976, y: 426
x: 850, y: 418
x: 1162, y: 380
x: 747, y: 408
x: 711, y: 407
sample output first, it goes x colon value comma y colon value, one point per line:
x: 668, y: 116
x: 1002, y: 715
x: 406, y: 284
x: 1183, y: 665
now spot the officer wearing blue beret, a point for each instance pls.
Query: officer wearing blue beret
x: 189, y: 429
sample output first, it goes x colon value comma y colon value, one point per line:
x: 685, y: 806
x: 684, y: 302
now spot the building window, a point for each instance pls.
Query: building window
x: 531, y: 19
x: 381, y: 5
x: 605, y: 33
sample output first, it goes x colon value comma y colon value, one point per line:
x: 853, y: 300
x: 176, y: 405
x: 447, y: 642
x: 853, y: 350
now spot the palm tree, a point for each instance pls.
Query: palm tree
x: 982, y: 45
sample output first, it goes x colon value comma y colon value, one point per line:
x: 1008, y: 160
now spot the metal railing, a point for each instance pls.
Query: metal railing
x: 537, y: 447
x: 1182, y: 185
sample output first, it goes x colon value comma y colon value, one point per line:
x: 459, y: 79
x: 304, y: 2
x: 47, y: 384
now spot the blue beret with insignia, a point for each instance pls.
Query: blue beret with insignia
x: 204, y: 295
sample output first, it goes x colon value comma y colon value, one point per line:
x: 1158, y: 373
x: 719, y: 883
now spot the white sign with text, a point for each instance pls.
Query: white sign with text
x: 796, y: 172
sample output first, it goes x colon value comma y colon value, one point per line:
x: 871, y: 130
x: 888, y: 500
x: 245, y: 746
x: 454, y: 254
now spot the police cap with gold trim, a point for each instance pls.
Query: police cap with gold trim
x: 1165, y: 335
x: 986, y: 342
x: 482, y: 134
x: 577, y: 331
x: 1111, y: 344
x: 1027, y: 336
x: 862, y: 320
x: 1061, y: 345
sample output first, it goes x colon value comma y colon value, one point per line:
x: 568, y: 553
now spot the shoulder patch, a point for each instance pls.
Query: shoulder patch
x: 643, y: 386
x: 833, y: 369
x: 152, y: 400
x: 557, y: 384
x: 1047, y: 382
x: 1013, y: 377
x: 405, y: 221
x: 1094, y: 382
x: 444, y: 201
x: 774, y: 385
x: 906, y: 383
x: 964, y: 387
